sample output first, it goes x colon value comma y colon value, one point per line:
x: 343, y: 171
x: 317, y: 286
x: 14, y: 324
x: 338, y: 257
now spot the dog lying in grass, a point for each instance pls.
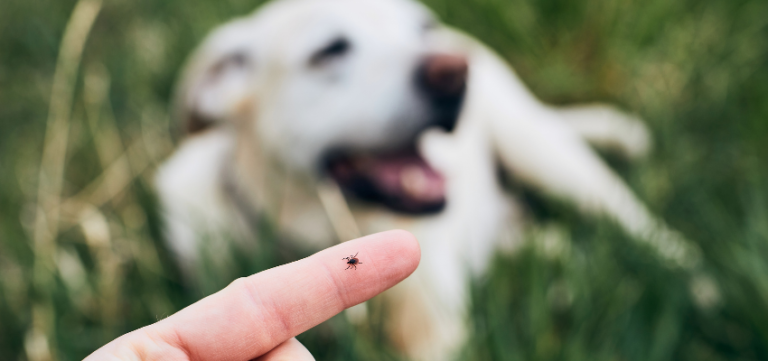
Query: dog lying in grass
x: 335, y: 118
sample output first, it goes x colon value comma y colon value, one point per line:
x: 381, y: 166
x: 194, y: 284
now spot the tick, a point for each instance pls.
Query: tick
x: 352, y: 261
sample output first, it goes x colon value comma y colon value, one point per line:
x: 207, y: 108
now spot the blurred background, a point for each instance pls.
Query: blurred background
x: 84, y: 94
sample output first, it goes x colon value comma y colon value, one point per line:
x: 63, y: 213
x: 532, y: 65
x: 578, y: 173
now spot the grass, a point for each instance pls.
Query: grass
x: 697, y: 71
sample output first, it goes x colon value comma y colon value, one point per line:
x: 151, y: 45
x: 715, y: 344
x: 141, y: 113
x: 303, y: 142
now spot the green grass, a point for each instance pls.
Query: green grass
x: 697, y: 71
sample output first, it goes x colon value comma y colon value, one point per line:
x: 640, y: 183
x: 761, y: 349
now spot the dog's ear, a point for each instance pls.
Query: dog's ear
x: 216, y: 84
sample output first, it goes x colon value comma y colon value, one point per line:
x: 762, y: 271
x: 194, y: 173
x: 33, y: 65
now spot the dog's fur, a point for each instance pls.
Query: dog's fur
x: 267, y: 97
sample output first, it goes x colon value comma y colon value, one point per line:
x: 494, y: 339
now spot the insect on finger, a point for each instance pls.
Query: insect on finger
x: 352, y: 261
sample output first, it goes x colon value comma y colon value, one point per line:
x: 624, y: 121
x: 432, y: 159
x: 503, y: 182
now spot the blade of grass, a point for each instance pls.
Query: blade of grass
x: 52, y: 166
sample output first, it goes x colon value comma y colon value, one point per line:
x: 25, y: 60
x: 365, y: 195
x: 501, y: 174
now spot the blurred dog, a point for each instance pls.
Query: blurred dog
x: 339, y: 117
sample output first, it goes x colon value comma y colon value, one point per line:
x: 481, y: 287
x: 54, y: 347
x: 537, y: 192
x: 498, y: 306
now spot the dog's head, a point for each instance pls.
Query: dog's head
x: 340, y: 88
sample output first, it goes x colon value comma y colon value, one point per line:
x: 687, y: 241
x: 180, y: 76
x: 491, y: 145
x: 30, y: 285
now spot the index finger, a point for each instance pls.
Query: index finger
x: 255, y: 314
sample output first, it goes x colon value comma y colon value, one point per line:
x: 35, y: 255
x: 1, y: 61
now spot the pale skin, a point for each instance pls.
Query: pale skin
x: 257, y: 317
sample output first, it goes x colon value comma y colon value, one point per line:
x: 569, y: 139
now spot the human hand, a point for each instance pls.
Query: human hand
x: 257, y: 317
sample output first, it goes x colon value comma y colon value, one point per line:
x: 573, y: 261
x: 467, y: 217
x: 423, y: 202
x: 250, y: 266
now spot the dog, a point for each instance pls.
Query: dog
x: 336, y: 118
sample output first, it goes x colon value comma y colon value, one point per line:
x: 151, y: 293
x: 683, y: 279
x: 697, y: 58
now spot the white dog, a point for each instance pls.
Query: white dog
x: 338, y: 117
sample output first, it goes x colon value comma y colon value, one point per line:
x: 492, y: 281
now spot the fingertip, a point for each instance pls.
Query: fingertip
x: 409, y: 247
x: 395, y: 254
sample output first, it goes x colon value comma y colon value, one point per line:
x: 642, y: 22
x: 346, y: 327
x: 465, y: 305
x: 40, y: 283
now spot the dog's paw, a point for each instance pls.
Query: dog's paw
x: 608, y: 128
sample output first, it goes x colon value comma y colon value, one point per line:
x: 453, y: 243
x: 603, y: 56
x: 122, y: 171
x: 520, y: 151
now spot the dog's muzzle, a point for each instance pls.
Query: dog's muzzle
x: 400, y: 179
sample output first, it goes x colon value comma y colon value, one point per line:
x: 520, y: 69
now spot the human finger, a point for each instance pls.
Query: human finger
x: 290, y: 350
x: 255, y: 314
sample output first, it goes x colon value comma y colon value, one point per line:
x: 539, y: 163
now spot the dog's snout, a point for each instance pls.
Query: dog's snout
x: 443, y: 79
x: 444, y: 75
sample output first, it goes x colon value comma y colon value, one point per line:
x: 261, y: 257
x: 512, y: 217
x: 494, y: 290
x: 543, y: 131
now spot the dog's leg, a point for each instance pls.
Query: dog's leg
x: 538, y: 148
x: 601, y: 125
x: 606, y: 127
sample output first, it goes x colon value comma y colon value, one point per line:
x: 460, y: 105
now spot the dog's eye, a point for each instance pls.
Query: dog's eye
x: 429, y: 24
x: 335, y: 49
x: 236, y: 60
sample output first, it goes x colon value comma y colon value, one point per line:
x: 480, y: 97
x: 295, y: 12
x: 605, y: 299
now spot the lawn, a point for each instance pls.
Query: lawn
x: 82, y: 258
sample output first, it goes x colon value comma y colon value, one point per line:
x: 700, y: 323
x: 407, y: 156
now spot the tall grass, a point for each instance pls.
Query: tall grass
x: 84, y: 122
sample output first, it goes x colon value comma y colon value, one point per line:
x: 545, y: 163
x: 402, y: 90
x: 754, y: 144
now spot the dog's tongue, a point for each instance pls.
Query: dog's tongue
x: 407, y: 175
x: 404, y: 182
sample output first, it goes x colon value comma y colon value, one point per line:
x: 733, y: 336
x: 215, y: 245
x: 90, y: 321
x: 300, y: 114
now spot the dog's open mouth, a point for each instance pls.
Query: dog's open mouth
x: 401, y: 180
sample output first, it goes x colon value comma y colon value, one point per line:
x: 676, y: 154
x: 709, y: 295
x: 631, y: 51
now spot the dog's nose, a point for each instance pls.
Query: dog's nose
x: 443, y: 79
x: 444, y: 75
